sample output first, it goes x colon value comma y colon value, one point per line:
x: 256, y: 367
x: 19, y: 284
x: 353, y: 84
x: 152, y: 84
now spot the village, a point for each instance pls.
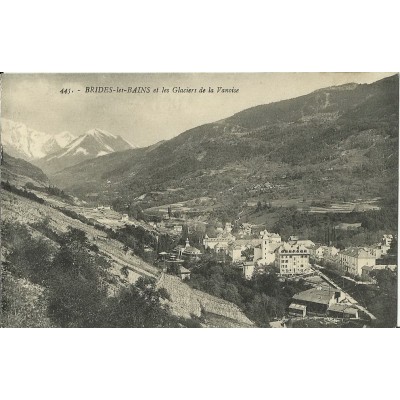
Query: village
x: 254, y: 251
x: 260, y: 252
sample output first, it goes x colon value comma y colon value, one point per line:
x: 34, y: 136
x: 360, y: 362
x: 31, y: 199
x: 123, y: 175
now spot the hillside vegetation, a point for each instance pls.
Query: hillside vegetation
x: 338, y: 143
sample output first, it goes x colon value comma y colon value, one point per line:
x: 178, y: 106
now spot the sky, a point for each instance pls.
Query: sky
x: 146, y: 118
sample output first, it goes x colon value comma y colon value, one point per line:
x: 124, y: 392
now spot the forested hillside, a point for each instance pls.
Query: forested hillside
x: 336, y: 143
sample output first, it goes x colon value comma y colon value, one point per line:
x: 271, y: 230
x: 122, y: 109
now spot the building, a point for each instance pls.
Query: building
x: 221, y: 247
x: 318, y: 252
x: 387, y: 240
x: 352, y: 260
x: 376, y: 251
x: 228, y: 227
x: 342, y: 310
x: 125, y: 217
x: 187, y: 251
x: 184, y: 273
x: 248, y: 269
x: 235, y: 252
x: 348, y: 227
x: 292, y: 259
x: 265, y: 252
x: 245, y: 229
x: 190, y: 250
x: 306, y: 242
x: 316, y: 301
x: 297, y: 310
x: 365, y: 273
x: 222, y: 239
x: 392, y: 267
x: 178, y: 228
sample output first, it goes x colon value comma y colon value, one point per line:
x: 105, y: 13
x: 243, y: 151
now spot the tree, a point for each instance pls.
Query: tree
x: 139, y: 306
x: 75, y: 301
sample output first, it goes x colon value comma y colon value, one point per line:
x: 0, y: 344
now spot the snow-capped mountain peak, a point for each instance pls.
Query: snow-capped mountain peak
x: 23, y: 142
x: 100, y: 132
x: 55, y: 152
x: 64, y: 138
x: 94, y: 143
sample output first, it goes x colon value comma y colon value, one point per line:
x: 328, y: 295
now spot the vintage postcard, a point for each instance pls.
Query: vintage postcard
x: 199, y: 200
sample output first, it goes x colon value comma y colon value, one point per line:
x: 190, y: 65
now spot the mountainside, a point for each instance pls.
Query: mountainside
x: 94, y: 143
x: 118, y: 268
x: 26, y: 143
x: 336, y: 143
x: 19, y: 172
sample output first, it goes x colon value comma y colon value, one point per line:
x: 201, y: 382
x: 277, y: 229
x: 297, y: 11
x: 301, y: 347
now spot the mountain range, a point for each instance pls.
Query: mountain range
x: 23, y: 142
x: 339, y: 143
x: 59, y: 151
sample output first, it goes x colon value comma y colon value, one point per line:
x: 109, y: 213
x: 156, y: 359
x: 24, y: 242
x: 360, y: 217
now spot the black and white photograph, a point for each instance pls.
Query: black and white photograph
x: 199, y: 200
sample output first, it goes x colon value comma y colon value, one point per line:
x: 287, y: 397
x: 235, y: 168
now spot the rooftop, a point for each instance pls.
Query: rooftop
x: 341, y: 307
x: 297, y: 306
x: 184, y: 270
x: 357, y: 252
x: 292, y: 248
x: 320, y: 295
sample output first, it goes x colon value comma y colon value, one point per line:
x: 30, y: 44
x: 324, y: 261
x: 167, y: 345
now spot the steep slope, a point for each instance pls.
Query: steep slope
x: 26, y: 143
x: 94, y: 143
x: 19, y: 172
x: 338, y: 141
x: 184, y: 301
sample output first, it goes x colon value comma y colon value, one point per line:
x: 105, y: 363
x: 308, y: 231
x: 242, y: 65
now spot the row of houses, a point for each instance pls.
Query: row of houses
x: 357, y: 261
x: 291, y: 257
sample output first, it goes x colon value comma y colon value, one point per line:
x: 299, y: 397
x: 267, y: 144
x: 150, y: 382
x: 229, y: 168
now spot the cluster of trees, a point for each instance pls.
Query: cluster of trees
x: 52, y: 190
x: 21, y: 192
x: 316, y: 227
x: 137, y: 238
x: 263, y: 206
x: 262, y: 298
x: 75, y: 283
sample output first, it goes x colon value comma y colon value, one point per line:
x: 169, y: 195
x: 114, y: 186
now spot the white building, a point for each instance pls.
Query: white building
x: 125, y: 217
x: 265, y: 253
x: 223, y: 239
x: 293, y: 259
x: 352, y: 260
x: 319, y: 252
x: 235, y: 252
x: 387, y: 240
x: 248, y: 269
